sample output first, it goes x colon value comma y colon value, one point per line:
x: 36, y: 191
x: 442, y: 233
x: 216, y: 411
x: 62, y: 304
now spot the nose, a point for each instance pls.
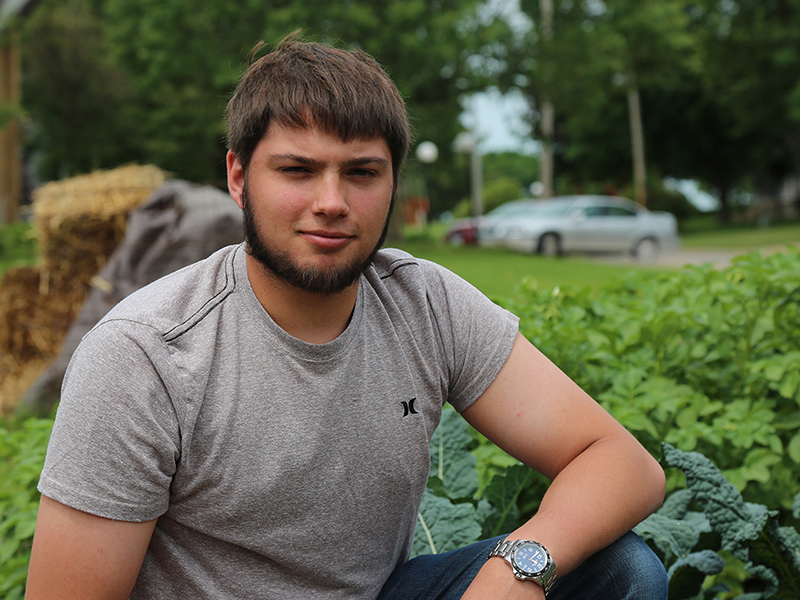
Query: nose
x: 331, y: 198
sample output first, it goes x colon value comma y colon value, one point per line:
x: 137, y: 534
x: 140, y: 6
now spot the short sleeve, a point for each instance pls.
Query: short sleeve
x: 116, y: 439
x: 476, y: 334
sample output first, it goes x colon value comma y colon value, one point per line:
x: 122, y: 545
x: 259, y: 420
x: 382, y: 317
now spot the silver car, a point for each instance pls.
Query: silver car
x: 583, y: 224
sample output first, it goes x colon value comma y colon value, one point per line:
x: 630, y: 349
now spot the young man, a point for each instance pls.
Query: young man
x: 243, y: 428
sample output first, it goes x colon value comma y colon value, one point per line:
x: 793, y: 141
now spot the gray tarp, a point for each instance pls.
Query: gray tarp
x: 179, y: 224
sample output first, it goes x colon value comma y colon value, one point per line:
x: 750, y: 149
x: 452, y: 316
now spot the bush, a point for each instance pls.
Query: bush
x: 712, y: 543
x: 22, y: 448
x: 704, y: 360
x: 17, y: 245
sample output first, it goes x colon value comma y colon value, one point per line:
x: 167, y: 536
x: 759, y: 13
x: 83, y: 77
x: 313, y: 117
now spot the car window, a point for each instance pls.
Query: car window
x: 595, y: 211
x: 620, y: 211
x: 509, y: 209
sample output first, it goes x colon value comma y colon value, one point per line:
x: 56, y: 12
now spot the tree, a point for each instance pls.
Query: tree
x: 596, y: 48
x: 165, y: 69
x: 751, y: 54
x: 74, y: 94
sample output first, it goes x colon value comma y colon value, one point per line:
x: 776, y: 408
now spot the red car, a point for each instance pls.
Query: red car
x: 465, y: 231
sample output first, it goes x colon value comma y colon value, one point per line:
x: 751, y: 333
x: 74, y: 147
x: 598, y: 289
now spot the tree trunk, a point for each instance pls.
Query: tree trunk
x: 546, y: 166
x: 637, y: 145
x: 547, y: 112
x: 724, y: 204
x: 10, y: 163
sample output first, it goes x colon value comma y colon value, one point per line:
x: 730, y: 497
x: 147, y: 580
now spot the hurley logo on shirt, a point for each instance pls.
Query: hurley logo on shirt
x: 408, y: 407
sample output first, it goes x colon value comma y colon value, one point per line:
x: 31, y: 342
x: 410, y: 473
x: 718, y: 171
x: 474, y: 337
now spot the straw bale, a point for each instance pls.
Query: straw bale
x: 79, y: 223
x: 101, y: 194
x: 14, y: 384
x: 32, y: 326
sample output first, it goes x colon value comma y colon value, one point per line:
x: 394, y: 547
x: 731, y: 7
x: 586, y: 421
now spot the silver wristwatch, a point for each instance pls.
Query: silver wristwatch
x: 529, y: 560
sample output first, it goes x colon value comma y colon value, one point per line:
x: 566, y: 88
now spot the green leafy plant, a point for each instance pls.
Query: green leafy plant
x: 454, y: 512
x: 691, y: 543
x: 22, y: 448
x: 713, y: 544
x: 17, y: 246
x: 703, y: 359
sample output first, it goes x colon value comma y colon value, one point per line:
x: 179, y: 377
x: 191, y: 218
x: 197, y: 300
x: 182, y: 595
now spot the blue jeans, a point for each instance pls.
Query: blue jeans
x: 626, y: 570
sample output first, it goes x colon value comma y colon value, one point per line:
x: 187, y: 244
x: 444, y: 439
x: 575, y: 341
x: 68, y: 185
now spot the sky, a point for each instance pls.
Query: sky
x: 497, y: 120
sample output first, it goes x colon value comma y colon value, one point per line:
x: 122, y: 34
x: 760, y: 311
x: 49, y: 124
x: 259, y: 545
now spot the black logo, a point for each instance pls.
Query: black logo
x: 408, y: 407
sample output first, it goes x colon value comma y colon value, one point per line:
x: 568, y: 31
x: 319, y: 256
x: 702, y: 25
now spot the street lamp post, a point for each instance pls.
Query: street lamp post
x: 465, y: 142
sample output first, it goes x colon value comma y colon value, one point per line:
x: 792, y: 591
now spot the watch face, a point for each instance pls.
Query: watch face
x: 530, y: 559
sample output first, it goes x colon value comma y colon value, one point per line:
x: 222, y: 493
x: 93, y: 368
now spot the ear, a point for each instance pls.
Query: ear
x: 235, y: 178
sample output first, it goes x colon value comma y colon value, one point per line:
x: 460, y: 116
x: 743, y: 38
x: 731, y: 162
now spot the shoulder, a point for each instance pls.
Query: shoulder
x: 403, y: 275
x: 399, y: 268
x: 182, y: 297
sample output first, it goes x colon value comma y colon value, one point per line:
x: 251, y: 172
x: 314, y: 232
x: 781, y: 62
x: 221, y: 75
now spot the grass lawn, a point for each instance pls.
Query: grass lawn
x: 744, y: 238
x: 497, y: 272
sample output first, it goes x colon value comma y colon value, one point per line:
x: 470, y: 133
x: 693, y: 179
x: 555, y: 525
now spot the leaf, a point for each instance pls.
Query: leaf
x: 793, y: 448
x: 676, y: 505
x: 502, y: 493
x: 674, y: 538
x: 451, y: 460
x: 749, y: 531
x: 789, y: 384
x: 8, y: 548
x: 687, y: 574
x: 720, y: 500
x: 444, y: 526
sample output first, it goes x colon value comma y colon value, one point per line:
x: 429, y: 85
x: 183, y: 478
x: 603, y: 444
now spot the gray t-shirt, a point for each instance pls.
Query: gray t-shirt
x: 276, y: 468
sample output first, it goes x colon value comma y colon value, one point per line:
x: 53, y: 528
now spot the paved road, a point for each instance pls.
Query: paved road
x: 719, y: 258
x: 677, y: 258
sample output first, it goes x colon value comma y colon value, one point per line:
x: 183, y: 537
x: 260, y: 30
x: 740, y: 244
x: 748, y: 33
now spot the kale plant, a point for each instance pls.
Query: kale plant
x: 692, y: 543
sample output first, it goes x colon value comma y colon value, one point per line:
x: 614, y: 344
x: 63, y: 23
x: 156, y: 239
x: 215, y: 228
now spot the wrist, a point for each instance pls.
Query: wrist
x: 529, y: 561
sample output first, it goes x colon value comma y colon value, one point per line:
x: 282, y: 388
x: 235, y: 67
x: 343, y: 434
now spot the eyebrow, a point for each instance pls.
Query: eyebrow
x: 354, y: 162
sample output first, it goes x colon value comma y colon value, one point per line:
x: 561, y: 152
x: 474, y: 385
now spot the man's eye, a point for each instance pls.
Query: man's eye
x: 363, y: 173
x: 295, y: 169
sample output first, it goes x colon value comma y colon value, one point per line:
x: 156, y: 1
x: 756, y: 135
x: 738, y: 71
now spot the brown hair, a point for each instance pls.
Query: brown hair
x: 307, y: 84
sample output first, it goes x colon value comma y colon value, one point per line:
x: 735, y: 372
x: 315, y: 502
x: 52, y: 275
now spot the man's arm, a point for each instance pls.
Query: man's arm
x: 603, y: 481
x: 82, y: 556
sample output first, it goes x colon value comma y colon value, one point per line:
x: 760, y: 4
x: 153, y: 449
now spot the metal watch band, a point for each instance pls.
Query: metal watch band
x: 504, y: 549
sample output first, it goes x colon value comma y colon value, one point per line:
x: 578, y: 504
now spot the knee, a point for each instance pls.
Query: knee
x: 637, y: 569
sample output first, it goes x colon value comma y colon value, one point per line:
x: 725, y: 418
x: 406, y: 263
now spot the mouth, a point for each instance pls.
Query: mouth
x: 327, y: 240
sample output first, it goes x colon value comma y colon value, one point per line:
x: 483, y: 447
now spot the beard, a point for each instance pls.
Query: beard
x: 279, y: 263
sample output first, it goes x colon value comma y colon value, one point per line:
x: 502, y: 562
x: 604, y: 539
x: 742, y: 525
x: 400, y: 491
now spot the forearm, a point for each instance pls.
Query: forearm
x: 597, y: 498
x: 604, y: 481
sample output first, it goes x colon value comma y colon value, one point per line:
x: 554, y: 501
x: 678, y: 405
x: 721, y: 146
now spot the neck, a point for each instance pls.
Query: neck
x: 310, y: 317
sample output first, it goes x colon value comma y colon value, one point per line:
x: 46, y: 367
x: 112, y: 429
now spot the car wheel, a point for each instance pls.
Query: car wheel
x: 549, y: 245
x: 646, y: 250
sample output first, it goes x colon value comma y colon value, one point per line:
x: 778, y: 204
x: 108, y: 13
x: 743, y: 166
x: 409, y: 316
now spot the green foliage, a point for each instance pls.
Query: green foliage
x: 22, y: 449
x: 78, y: 101
x: 690, y: 543
x: 454, y: 512
x: 500, y: 191
x: 720, y: 98
x: 112, y: 81
x: 702, y: 359
x: 17, y: 246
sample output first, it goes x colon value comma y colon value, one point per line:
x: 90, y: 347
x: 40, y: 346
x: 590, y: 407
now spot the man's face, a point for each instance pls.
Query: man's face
x: 316, y: 208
